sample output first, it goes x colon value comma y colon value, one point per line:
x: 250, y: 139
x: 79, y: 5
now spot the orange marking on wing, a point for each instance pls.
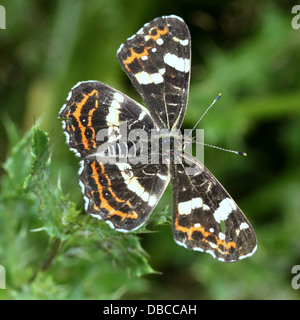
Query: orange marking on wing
x: 77, y: 114
x: 104, y: 203
x: 90, y: 116
x: 189, y: 232
x: 159, y: 33
x: 109, y: 184
x: 96, y: 207
x: 134, y: 55
x: 129, y: 204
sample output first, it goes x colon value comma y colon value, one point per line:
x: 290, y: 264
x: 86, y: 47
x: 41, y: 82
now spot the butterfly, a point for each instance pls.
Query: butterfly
x: 157, y: 59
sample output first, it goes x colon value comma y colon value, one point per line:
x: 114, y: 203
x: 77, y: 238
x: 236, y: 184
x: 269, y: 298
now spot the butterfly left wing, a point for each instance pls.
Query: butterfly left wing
x: 205, y: 217
x: 121, y: 194
x: 157, y: 60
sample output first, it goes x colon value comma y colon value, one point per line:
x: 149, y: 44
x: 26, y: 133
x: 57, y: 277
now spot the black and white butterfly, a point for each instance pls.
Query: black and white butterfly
x: 157, y: 59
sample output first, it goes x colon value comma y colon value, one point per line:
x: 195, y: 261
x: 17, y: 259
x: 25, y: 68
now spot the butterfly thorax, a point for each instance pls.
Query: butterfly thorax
x: 166, y: 146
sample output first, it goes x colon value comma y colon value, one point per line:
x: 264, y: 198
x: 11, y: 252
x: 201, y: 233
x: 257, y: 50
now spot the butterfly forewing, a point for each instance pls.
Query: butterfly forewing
x: 94, y: 109
x: 157, y: 60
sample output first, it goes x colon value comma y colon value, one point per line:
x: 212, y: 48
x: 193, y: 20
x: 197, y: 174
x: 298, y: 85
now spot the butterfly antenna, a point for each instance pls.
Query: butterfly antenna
x: 240, y: 153
x: 244, y: 154
x: 216, y: 99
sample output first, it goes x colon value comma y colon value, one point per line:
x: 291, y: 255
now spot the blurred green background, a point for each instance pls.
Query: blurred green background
x: 247, y: 50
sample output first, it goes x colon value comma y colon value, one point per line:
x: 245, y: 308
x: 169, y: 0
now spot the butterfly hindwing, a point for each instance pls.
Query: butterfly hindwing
x: 157, y: 61
x: 205, y: 217
x: 122, y: 194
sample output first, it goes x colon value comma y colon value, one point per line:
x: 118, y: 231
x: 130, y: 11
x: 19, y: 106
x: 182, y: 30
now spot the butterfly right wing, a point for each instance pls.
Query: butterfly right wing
x: 157, y: 60
x: 205, y: 217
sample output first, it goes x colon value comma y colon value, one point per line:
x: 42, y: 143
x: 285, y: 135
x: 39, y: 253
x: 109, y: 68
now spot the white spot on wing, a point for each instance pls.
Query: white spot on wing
x: 159, y: 41
x: 118, y: 97
x: 76, y: 152
x: 96, y: 216
x: 81, y: 167
x: 157, y: 78
x: 174, y: 17
x: 248, y: 255
x: 177, y: 63
x: 197, y: 203
x: 244, y: 225
x: 86, y: 203
x: 185, y: 207
x: 115, y: 104
x: 120, y: 48
x: 152, y: 200
x: 69, y: 96
x: 162, y: 177
x: 206, y: 207
x: 221, y: 236
x: 184, y: 42
x: 134, y: 185
x: 79, y: 83
x: 143, y: 77
x: 113, y: 115
x: 181, y: 243
x: 62, y: 108
x: 225, y: 208
x: 146, y: 78
x: 142, y: 115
